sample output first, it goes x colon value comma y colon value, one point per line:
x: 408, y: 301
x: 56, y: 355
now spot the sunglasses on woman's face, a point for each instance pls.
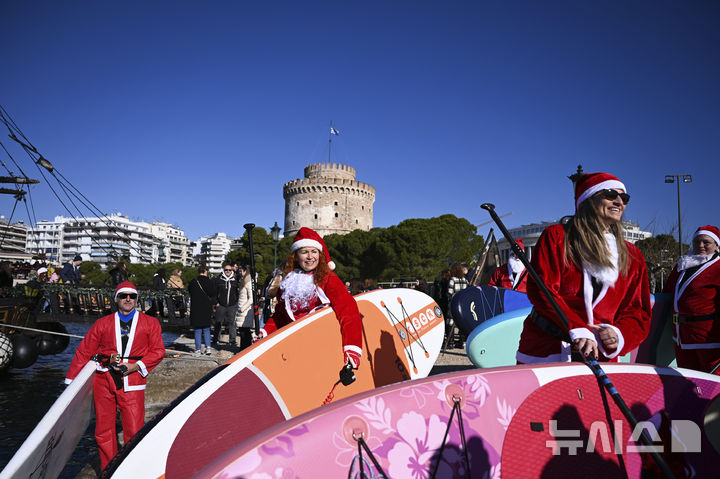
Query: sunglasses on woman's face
x: 127, y: 295
x: 609, y: 194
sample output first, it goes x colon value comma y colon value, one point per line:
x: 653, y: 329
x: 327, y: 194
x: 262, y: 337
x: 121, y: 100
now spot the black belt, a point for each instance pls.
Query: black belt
x: 692, y: 319
x: 549, y: 327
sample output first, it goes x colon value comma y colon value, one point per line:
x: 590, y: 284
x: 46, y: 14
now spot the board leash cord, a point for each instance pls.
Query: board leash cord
x: 408, y: 335
x: 486, y: 302
x: 456, y: 408
x: 417, y: 336
x: 360, y: 462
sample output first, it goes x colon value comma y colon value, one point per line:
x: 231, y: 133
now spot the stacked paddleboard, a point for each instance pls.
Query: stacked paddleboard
x: 476, y: 304
x: 521, y: 422
x: 286, y: 374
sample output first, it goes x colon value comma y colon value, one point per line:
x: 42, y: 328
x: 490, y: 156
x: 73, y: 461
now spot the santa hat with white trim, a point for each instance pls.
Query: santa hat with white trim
x: 307, y: 238
x: 709, y: 230
x: 591, y: 183
x: 125, y: 287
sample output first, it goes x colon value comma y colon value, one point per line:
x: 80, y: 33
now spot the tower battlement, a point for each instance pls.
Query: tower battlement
x: 328, y: 200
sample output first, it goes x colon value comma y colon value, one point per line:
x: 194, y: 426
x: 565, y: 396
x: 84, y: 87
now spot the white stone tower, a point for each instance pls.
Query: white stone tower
x: 328, y: 200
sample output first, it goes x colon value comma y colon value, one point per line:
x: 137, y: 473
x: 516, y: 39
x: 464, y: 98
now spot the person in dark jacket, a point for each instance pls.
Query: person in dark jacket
x: 70, y: 273
x: 158, y: 285
x: 202, y: 299
x: 226, y: 286
x: 118, y: 274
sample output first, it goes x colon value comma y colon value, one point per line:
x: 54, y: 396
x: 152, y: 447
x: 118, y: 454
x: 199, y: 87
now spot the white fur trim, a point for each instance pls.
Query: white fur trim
x: 350, y: 347
x: 143, y: 370
x: 306, y: 243
x: 331, y: 265
x: 581, y: 333
x: 698, y: 233
x: 68, y: 381
x: 125, y: 290
x: 609, y: 184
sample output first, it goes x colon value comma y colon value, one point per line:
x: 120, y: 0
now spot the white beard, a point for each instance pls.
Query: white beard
x: 691, y: 260
x: 298, y: 289
x: 516, y: 265
x: 604, y: 274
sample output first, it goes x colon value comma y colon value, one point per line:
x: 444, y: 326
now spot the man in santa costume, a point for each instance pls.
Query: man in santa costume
x: 309, y: 282
x: 598, y: 280
x: 511, y: 275
x: 695, y: 286
x: 129, y: 345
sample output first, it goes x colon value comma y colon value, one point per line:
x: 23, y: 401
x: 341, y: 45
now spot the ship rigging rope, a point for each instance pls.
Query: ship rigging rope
x: 67, y: 187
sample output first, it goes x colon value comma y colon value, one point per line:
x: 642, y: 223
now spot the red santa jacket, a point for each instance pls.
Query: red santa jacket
x: 331, y: 291
x: 699, y: 295
x: 501, y: 279
x: 625, y: 305
x: 144, y: 340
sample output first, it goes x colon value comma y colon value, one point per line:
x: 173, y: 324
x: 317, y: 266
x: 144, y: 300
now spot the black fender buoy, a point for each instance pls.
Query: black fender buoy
x: 52, y: 343
x: 6, y: 351
x: 26, y: 351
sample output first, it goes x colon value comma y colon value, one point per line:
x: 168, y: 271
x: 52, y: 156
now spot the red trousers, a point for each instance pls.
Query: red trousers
x: 698, y: 359
x: 107, y: 400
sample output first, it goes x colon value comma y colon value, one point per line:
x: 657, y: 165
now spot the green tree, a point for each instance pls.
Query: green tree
x: 661, y: 254
x: 263, y: 246
x: 94, y: 274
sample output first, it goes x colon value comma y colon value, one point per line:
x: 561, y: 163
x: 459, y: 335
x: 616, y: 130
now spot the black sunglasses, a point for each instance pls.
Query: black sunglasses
x: 227, y: 270
x: 127, y: 295
x: 612, y: 194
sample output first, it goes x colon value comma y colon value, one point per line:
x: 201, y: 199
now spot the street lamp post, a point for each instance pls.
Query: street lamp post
x: 275, y: 231
x: 679, y: 179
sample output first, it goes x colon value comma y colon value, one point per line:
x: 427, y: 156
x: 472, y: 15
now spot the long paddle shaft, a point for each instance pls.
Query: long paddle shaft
x: 256, y: 313
x: 591, y: 363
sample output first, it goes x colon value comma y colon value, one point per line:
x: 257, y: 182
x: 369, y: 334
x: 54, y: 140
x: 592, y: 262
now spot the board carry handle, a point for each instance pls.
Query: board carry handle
x: 589, y: 362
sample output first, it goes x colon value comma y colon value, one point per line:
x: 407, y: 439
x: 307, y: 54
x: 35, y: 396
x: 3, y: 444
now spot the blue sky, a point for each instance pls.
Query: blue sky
x: 196, y: 113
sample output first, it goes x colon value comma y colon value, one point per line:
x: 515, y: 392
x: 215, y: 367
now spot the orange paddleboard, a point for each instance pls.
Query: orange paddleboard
x: 286, y: 374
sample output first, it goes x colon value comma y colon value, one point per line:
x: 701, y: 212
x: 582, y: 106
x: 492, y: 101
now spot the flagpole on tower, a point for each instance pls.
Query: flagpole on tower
x: 333, y: 131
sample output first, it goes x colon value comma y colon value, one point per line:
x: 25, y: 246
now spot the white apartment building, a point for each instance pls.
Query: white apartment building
x: 212, y: 251
x: 172, y: 246
x: 13, y: 239
x: 531, y: 233
x: 102, y: 240
x: 13, y: 236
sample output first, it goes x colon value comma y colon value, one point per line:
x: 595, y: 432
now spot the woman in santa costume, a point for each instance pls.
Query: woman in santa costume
x: 309, y: 282
x: 695, y: 286
x: 511, y: 275
x: 131, y: 345
x: 598, y: 280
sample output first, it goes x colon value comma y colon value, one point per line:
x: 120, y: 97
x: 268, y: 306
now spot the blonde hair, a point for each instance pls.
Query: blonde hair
x: 585, y: 241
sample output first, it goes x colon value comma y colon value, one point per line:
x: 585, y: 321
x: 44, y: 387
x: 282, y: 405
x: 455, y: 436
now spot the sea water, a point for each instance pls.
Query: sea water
x: 27, y: 394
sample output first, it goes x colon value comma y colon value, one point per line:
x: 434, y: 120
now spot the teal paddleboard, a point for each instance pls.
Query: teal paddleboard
x: 494, y: 342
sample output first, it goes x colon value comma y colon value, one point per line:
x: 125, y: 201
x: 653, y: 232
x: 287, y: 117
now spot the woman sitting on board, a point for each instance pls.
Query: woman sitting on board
x: 695, y: 286
x: 308, y: 282
x: 599, y: 281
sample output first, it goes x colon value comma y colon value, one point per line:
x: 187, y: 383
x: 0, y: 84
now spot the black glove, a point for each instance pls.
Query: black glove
x: 347, y: 375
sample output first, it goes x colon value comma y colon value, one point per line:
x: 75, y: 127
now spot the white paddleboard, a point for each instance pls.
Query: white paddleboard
x: 50, y: 445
